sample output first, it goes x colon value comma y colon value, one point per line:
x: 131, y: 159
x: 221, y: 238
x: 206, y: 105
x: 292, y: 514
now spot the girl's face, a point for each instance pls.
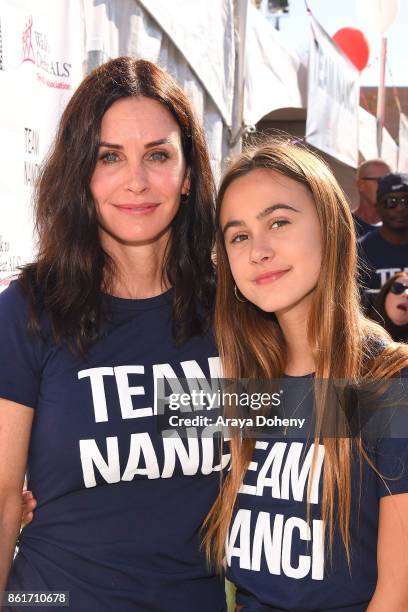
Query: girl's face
x: 273, y: 240
x: 396, y: 305
x: 140, y: 173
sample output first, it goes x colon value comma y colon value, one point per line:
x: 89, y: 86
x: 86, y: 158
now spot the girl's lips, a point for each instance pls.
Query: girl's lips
x: 270, y: 277
x: 140, y: 209
x: 403, y: 307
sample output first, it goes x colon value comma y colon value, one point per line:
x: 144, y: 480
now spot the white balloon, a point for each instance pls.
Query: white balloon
x: 377, y: 15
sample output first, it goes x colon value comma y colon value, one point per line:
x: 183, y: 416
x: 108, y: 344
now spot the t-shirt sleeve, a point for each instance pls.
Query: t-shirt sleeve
x: 20, y: 351
x: 392, y: 450
x: 392, y: 465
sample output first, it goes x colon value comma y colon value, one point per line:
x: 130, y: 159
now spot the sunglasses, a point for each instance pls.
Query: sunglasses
x: 398, y: 288
x: 392, y: 202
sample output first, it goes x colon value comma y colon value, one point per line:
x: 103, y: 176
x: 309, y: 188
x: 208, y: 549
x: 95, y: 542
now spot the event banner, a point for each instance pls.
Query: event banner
x: 41, y: 63
x: 333, y: 99
x: 403, y: 144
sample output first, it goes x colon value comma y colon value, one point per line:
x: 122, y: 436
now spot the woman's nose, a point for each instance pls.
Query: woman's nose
x: 136, y: 177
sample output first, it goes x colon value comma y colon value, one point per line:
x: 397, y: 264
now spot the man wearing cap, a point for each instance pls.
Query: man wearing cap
x: 384, y: 251
x: 366, y: 217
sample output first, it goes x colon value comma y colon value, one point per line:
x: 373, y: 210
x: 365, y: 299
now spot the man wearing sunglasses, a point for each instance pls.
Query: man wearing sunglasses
x: 384, y: 251
x: 366, y: 217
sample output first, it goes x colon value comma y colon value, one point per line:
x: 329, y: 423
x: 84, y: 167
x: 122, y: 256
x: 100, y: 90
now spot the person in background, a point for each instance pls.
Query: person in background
x: 391, y: 307
x: 309, y: 522
x: 366, y: 217
x: 384, y: 251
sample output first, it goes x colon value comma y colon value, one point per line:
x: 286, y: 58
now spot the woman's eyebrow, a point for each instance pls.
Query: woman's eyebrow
x: 110, y: 145
x: 264, y: 213
x: 153, y: 143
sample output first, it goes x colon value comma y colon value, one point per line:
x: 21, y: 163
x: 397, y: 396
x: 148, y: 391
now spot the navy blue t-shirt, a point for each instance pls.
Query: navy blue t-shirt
x: 119, y: 506
x: 362, y: 227
x: 276, y: 557
x: 380, y: 260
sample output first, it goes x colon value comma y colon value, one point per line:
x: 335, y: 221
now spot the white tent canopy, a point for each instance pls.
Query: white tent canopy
x: 203, y: 31
x: 271, y: 70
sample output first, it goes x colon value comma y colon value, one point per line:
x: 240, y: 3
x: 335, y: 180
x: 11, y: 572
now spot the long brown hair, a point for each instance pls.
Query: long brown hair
x: 71, y: 267
x: 346, y: 345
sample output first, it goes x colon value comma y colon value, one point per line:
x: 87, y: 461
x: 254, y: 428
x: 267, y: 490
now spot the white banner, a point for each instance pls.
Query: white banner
x: 403, y: 144
x: 40, y: 66
x: 333, y: 99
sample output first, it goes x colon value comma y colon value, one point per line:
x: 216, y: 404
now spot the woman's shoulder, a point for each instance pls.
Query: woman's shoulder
x: 18, y: 302
x: 13, y: 299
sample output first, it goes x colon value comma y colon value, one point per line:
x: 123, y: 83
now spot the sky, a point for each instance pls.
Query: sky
x: 336, y: 14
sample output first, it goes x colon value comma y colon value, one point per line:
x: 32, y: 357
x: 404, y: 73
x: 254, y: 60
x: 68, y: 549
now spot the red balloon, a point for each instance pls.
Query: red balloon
x: 355, y: 45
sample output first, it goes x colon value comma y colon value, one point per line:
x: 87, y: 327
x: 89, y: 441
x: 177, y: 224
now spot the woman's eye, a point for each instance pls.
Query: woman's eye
x: 239, y: 238
x: 279, y: 223
x: 159, y: 156
x: 109, y: 158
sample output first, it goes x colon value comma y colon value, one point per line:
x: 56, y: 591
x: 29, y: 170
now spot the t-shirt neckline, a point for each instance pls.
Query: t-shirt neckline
x: 157, y: 301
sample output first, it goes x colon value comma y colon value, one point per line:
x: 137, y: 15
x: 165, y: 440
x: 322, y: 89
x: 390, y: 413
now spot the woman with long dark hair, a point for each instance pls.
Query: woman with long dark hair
x: 391, y: 307
x: 118, y: 301
x: 309, y: 523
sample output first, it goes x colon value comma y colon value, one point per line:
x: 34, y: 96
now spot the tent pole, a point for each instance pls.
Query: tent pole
x: 381, y: 95
x: 240, y: 22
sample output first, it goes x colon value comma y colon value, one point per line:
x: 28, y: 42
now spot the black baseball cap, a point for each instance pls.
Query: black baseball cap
x: 391, y: 183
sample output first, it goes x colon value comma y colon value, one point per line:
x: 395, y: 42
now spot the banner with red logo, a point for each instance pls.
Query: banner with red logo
x: 41, y: 64
x: 333, y: 99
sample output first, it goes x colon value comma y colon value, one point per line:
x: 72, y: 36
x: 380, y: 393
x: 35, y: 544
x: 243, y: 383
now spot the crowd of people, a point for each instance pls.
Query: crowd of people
x: 126, y: 296
x: 381, y: 222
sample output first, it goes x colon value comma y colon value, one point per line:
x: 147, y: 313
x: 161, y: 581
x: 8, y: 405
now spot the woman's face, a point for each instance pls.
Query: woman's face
x: 396, y: 305
x: 273, y: 240
x: 140, y: 173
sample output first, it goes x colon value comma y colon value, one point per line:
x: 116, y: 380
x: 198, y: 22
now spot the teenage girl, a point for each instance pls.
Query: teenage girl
x: 317, y: 524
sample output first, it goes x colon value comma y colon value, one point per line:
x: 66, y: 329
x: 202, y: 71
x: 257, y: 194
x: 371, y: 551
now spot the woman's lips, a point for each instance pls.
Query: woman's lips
x: 137, y: 209
x: 403, y: 307
x: 270, y: 277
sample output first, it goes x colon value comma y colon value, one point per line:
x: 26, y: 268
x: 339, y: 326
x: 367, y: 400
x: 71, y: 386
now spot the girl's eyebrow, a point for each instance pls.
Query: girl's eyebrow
x: 153, y: 143
x: 274, y: 207
x: 264, y: 213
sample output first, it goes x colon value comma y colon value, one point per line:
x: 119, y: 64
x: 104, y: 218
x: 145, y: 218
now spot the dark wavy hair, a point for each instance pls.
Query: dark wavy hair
x: 399, y: 333
x: 71, y: 267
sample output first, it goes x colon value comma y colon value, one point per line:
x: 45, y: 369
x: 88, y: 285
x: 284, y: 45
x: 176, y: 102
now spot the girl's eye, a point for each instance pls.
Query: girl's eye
x: 239, y: 238
x: 159, y: 156
x: 279, y: 223
x: 109, y: 158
